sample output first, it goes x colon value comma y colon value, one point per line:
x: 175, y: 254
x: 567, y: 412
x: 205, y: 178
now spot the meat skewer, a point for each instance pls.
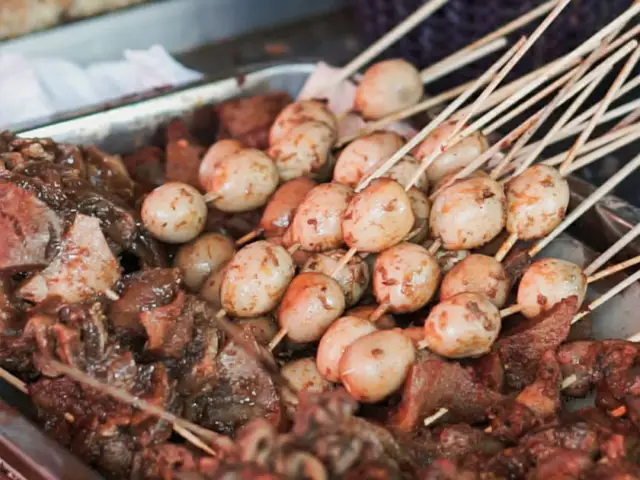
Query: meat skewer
x: 569, y: 381
x: 557, y: 200
x: 182, y: 427
x: 521, y: 129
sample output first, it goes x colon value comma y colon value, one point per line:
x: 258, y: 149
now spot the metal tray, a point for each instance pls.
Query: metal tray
x: 124, y: 128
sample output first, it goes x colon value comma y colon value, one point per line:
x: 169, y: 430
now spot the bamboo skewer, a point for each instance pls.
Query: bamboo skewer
x: 392, y: 36
x: 487, y: 39
x: 451, y: 108
x: 516, y: 133
x: 557, y: 126
x: 513, y: 113
x: 442, y: 69
x: 618, y: 42
x: 514, y: 55
x: 603, y: 190
x: 606, y: 141
x: 519, y: 52
x: 613, y: 250
x: 602, y: 107
x: 598, y: 302
x: 547, y: 110
x: 607, y: 149
x: 573, y: 129
x: 13, y: 381
x: 613, y: 269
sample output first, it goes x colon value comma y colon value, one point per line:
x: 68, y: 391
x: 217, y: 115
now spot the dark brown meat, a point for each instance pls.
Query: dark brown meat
x: 517, y: 263
x: 163, y: 461
x: 233, y: 225
x: 522, y: 348
x: 249, y: 119
x: 562, y: 465
x: 446, y: 470
x: 244, y: 391
x: 577, y: 435
x: 489, y: 371
x: 537, y: 404
x: 608, y: 365
x: 30, y: 229
x: 183, y: 155
x: 435, y: 383
x: 156, y: 387
x: 108, y: 172
x: 146, y: 166
x: 455, y: 442
x: 141, y: 292
x: 168, y: 330
x: 606, y: 470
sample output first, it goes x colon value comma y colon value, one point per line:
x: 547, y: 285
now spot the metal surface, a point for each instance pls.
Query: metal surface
x: 27, y: 452
x: 178, y: 25
x: 124, y: 128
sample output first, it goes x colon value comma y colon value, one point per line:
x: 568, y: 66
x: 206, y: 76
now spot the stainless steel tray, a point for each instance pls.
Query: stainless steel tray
x: 122, y: 129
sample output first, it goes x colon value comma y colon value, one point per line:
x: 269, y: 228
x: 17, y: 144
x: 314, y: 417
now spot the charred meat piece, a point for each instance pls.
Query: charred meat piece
x: 537, y: 404
x: 249, y: 119
x: 159, y: 462
x: 31, y: 230
x: 455, y: 442
x: 446, y: 470
x: 183, y: 155
x: 84, y: 267
x: 108, y: 172
x: 146, y: 166
x: 522, y: 348
x: 140, y: 292
x: 562, y: 465
x: 435, y: 383
x: 244, y: 391
x: 169, y: 328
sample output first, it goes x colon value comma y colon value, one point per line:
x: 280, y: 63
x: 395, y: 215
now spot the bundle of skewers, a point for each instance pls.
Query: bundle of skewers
x: 382, y: 312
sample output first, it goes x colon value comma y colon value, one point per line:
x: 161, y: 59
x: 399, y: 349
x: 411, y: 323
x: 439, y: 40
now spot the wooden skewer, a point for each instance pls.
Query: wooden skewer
x: 607, y: 149
x: 442, y: 69
x: 613, y: 269
x: 613, y: 250
x: 558, y: 125
x: 395, y: 34
x: 513, y: 56
x: 255, y: 233
x: 627, y: 282
x: 513, y: 113
x: 560, y: 97
x: 629, y: 119
x: 584, y: 116
x: 603, y: 190
x: 573, y: 128
x: 602, y: 107
x: 451, y: 108
x: 517, y: 132
x: 502, y: 31
x: 519, y: 52
x: 13, y: 381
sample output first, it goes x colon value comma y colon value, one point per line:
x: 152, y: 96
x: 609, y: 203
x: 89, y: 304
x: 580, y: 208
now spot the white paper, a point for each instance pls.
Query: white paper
x: 33, y: 90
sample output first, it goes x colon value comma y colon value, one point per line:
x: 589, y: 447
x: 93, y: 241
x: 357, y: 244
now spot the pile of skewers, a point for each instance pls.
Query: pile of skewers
x: 395, y: 262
